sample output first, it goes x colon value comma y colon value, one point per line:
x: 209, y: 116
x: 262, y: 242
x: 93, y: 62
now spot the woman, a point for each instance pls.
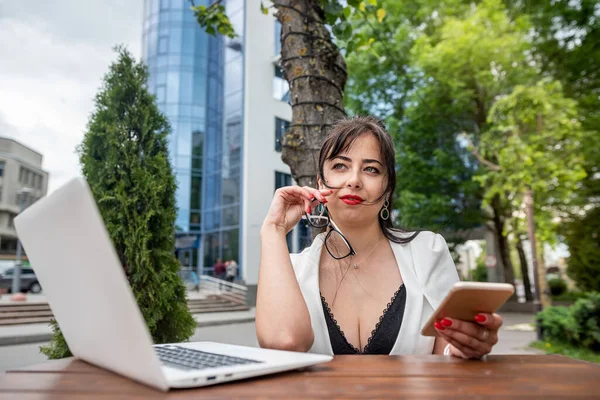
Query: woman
x: 362, y: 286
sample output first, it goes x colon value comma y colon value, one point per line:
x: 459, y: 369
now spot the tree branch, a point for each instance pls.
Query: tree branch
x: 475, y: 152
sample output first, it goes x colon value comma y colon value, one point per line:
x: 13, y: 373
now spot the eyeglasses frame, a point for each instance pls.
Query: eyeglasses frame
x: 332, y: 228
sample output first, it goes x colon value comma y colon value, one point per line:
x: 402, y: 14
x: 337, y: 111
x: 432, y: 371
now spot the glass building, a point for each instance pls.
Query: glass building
x: 198, y: 82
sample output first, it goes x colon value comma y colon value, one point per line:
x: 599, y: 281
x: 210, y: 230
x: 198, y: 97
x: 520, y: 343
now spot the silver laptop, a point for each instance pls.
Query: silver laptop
x: 73, y: 257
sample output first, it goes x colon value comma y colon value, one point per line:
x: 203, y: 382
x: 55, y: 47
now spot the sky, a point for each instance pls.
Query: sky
x: 54, y: 55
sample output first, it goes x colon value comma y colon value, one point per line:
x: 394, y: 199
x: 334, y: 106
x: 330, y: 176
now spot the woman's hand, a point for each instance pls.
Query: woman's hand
x: 470, y: 339
x: 290, y: 203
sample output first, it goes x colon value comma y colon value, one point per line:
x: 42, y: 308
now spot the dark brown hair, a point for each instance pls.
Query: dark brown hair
x: 340, y: 139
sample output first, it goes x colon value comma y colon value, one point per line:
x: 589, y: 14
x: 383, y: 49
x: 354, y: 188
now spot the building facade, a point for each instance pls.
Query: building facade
x: 228, y: 105
x: 22, y: 182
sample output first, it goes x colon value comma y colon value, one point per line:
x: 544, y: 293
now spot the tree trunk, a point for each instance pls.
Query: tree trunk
x: 545, y: 298
x: 524, y: 270
x: 316, y: 72
x: 503, y: 247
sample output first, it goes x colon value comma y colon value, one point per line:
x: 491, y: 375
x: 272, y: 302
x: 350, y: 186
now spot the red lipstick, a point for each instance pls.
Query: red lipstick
x: 351, y: 199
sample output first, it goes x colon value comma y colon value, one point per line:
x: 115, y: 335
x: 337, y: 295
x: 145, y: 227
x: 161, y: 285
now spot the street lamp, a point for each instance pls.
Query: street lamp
x: 23, y: 195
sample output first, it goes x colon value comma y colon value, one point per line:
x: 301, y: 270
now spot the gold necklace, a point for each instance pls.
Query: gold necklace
x: 355, y: 265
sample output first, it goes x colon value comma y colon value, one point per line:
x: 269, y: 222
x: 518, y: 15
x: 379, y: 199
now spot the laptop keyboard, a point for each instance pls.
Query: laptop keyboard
x: 189, y: 359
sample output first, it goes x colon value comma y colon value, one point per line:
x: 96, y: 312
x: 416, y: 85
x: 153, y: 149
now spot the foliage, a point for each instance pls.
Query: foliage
x: 583, y: 239
x: 337, y: 14
x: 435, y: 186
x: 57, y: 347
x: 586, y: 314
x: 480, y: 274
x: 556, y: 323
x: 557, y: 286
x: 125, y: 159
x: 566, y: 36
x: 214, y: 20
x: 578, y: 325
x: 534, y: 140
x: 569, y: 296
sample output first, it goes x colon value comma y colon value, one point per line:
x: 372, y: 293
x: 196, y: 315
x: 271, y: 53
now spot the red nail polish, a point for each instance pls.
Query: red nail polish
x: 446, y: 322
x: 438, y: 326
x: 480, y: 318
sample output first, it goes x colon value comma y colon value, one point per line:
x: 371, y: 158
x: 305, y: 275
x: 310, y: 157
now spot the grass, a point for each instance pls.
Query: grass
x: 566, y: 350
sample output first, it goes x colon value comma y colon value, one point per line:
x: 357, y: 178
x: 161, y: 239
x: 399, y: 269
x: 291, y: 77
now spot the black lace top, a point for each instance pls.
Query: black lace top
x: 383, y: 337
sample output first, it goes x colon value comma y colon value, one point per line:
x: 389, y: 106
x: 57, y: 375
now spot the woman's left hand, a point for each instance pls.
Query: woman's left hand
x: 470, y: 339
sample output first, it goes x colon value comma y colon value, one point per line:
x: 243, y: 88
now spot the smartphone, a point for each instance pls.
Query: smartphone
x: 467, y: 299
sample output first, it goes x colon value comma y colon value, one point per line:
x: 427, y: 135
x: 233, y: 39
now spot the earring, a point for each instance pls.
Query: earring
x: 385, y: 213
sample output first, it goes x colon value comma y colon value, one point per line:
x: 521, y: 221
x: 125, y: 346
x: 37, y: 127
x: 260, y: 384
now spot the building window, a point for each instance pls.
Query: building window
x: 2, y: 168
x: 277, y: 37
x: 163, y: 44
x: 197, y: 143
x: 304, y: 237
x: 282, y: 180
x: 281, y: 88
x: 281, y: 126
x: 161, y: 93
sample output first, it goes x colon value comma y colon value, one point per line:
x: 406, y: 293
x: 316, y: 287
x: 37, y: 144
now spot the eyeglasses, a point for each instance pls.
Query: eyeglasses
x: 336, y: 243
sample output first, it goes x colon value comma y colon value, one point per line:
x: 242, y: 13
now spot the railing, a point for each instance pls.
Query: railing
x: 209, y: 285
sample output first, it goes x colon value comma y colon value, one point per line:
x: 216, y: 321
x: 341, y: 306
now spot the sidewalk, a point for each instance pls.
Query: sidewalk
x: 38, y: 333
x: 516, y: 334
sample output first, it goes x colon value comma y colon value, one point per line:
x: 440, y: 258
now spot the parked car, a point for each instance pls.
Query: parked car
x: 29, y: 282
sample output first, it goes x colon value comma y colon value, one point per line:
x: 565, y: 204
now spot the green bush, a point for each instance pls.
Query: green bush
x: 586, y: 315
x: 583, y: 239
x: 556, y: 323
x: 557, y: 286
x: 480, y: 274
x: 578, y: 325
x: 569, y: 295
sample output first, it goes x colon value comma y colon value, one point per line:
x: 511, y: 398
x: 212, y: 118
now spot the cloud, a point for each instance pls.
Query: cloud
x: 54, y: 57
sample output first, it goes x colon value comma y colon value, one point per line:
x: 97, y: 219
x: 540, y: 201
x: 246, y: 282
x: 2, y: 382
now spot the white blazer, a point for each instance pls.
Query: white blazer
x: 428, y: 272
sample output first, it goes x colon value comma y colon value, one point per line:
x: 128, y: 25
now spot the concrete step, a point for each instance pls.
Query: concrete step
x: 27, y: 313
x: 23, y: 307
x: 219, y: 309
x: 24, y: 314
x: 21, y: 321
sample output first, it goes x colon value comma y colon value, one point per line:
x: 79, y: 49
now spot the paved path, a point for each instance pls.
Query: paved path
x: 516, y: 334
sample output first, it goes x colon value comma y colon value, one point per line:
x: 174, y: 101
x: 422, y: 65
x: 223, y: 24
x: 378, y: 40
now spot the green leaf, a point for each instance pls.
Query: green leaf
x: 333, y: 10
x: 354, y: 3
x: 343, y: 30
x: 373, y: 2
x: 263, y: 9
x: 347, y: 12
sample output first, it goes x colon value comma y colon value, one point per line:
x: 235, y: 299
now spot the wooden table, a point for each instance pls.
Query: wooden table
x: 524, y: 376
